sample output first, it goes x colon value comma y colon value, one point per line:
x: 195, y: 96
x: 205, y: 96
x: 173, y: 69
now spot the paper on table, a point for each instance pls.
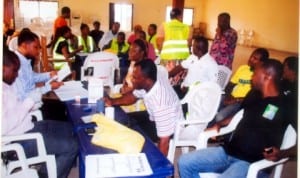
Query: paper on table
x: 63, y: 72
x: 70, y: 89
x: 117, y: 165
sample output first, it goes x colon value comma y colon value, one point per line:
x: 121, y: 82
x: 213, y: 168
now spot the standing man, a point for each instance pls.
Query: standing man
x: 224, y: 43
x: 108, y: 36
x: 61, y: 21
x: 174, y: 40
x: 161, y: 101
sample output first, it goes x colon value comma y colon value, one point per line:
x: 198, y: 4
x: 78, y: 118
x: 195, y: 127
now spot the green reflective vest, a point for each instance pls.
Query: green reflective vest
x: 88, y: 46
x: 175, y: 46
x: 59, y: 56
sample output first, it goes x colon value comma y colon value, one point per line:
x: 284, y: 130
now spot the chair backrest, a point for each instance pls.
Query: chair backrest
x: 203, y: 100
x: 100, y: 65
x: 224, y: 74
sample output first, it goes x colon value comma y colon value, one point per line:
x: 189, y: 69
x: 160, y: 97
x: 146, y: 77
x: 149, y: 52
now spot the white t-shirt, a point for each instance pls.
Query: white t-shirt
x: 163, y: 107
x: 200, y: 70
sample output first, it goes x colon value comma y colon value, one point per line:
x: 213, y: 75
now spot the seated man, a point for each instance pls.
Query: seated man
x: 261, y: 128
x: 240, y: 84
x: 160, y: 99
x: 58, y: 136
x: 29, y: 49
x: 200, y: 66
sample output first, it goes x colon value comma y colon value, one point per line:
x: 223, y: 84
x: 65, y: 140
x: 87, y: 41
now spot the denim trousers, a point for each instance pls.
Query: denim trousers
x: 59, y: 141
x: 212, y: 159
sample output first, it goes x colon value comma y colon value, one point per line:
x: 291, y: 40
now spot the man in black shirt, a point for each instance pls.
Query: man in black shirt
x: 262, y: 127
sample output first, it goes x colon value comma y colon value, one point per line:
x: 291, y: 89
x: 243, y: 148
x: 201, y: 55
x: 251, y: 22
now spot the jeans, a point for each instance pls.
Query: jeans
x: 212, y: 159
x: 59, y: 141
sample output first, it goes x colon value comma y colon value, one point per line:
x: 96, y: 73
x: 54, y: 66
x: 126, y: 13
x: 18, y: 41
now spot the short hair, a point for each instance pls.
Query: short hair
x: 264, y: 53
x: 96, y: 22
x: 152, y: 25
x: 203, y: 40
x: 65, y: 10
x: 148, y: 69
x: 141, y: 44
x: 292, y: 63
x: 83, y: 25
x: 10, y: 58
x: 274, y: 68
x: 175, y: 12
x: 26, y: 37
x: 225, y: 15
x: 122, y: 34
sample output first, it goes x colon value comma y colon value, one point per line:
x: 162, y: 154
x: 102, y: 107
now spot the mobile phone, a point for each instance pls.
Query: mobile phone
x: 90, y: 131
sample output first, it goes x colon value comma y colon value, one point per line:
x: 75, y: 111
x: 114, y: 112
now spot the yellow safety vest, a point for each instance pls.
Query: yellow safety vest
x: 153, y: 42
x: 58, y: 65
x: 114, y: 47
x: 87, y: 47
x: 175, y: 46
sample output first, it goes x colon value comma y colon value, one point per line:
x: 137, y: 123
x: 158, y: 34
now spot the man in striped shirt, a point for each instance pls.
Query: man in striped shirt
x: 161, y: 101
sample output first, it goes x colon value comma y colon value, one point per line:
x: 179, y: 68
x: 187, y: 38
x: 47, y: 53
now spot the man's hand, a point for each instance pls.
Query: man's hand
x: 272, y: 154
x: 216, y: 127
x: 56, y: 85
x: 107, y: 101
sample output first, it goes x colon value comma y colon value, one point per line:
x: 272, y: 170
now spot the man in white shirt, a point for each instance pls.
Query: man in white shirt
x: 200, y: 66
x: 58, y: 136
x: 161, y: 101
x: 108, y: 36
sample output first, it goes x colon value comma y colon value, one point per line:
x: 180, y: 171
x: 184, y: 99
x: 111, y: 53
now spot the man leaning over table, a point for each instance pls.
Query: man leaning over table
x: 29, y: 49
x: 161, y: 101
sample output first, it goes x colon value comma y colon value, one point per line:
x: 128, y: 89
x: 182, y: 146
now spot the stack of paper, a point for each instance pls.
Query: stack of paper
x: 117, y: 165
x: 70, y: 89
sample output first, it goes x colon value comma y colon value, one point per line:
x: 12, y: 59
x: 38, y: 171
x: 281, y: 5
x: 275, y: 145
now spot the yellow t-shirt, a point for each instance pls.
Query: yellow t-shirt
x: 242, y: 79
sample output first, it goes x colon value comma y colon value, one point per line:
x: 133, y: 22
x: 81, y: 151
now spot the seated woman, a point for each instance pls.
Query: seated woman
x: 65, y: 49
x: 137, y: 52
x: 86, y: 40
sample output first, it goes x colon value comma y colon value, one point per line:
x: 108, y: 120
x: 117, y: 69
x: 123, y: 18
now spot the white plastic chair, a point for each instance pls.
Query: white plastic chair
x: 25, y: 171
x: 288, y: 141
x: 41, y: 157
x: 224, y: 75
x: 100, y: 65
x: 203, y: 101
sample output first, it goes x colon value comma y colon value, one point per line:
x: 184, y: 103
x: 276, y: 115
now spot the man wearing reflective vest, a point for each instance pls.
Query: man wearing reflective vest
x: 174, y: 40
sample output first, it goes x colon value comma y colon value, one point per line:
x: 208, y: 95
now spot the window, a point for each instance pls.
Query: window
x: 121, y: 13
x: 187, y: 15
x: 45, y: 10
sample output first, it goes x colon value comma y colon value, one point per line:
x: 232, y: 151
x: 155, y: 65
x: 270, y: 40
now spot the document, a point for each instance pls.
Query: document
x: 70, y: 89
x: 117, y: 165
x: 63, y: 72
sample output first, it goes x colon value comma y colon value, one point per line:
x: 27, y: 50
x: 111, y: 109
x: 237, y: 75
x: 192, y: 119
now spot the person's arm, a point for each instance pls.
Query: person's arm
x: 107, y: 46
x: 217, y: 126
x: 275, y: 154
x: 176, y: 70
x: 126, y: 99
x: 229, y: 88
x: 160, y: 37
x: 163, y: 145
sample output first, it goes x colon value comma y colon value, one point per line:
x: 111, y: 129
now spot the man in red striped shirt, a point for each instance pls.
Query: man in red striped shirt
x: 161, y: 101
